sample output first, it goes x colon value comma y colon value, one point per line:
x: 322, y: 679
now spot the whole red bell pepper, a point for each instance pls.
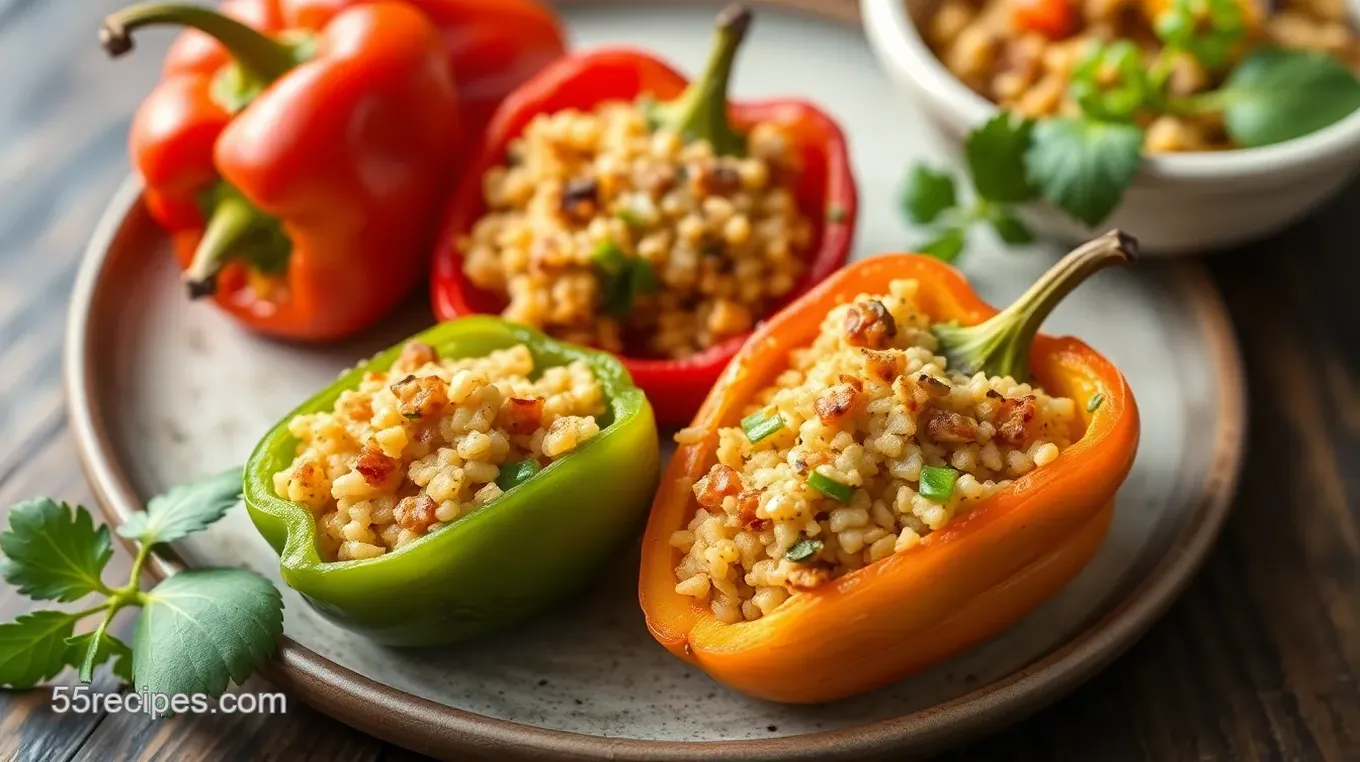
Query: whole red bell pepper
x: 298, y: 172
x: 825, y: 186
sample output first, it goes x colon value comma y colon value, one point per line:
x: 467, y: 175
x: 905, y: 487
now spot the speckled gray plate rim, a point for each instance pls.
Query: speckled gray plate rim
x: 138, y: 358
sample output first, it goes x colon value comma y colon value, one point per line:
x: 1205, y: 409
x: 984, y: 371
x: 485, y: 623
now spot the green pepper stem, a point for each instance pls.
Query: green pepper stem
x: 700, y: 113
x: 1000, y: 346
x: 262, y: 58
x: 234, y: 223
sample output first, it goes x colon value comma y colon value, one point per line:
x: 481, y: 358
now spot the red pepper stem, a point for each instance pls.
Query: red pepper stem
x: 233, y: 224
x: 700, y: 113
x: 1001, y: 345
x: 263, y: 58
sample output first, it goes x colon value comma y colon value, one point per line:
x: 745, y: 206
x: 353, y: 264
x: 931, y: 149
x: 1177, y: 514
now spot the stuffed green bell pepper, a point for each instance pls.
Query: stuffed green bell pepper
x: 456, y: 483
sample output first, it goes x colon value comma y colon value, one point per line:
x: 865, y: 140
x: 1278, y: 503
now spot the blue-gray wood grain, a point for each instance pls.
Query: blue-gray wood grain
x: 1258, y: 661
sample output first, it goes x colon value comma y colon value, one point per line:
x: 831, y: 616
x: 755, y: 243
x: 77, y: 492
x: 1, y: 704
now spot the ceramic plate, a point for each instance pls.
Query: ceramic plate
x: 163, y: 391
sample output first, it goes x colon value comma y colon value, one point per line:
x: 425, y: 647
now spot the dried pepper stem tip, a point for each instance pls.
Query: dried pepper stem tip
x: 114, y: 38
x: 735, y: 19
x: 236, y: 230
x: 1001, y: 345
x: 257, y: 54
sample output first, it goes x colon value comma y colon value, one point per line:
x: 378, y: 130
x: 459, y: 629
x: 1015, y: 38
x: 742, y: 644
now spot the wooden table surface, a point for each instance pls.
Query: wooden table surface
x: 1260, y: 660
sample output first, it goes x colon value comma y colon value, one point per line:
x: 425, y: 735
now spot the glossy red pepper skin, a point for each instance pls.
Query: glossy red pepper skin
x: 350, y: 150
x: 825, y: 192
x: 493, y: 46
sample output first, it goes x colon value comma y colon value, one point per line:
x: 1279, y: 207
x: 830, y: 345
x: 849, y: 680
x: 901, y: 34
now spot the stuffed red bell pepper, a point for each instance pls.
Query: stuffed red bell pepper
x: 614, y: 203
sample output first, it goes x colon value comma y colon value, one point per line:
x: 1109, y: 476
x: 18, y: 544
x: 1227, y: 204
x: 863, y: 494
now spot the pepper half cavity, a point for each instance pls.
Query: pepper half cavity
x: 866, y: 444
x: 602, y: 231
x: 419, y: 446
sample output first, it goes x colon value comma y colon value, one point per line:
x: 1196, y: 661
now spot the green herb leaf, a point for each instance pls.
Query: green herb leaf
x: 1130, y: 91
x: 54, y: 552
x: 833, y: 489
x: 33, y: 647
x: 996, y: 158
x: 803, y: 550
x: 515, y: 474
x: 631, y: 218
x: 621, y: 279
x: 203, y: 627
x: 1279, y: 95
x: 757, y: 426
x: 928, y: 192
x: 946, y: 246
x: 1209, y: 30
x: 937, y: 483
x: 185, y: 509
x: 609, y: 258
x: 1094, y: 404
x: 1010, y: 229
x: 88, y: 651
x: 1084, y: 166
x: 835, y: 213
x: 644, y: 277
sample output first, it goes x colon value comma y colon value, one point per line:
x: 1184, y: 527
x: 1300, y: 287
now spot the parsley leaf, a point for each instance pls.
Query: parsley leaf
x: 53, y: 552
x: 803, y: 550
x: 184, y: 510
x: 85, y: 655
x: 33, y: 647
x: 1083, y: 165
x: 996, y: 158
x: 927, y: 193
x: 1279, y: 95
x: 203, y: 627
x: 946, y: 246
x: 1010, y: 229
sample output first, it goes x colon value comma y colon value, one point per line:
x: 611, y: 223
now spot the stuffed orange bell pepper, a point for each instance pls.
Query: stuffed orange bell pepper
x: 877, y: 483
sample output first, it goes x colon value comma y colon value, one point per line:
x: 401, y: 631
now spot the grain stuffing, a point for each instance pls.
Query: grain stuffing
x: 866, y: 444
x: 601, y: 230
x: 431, y: 440
x: 1029, y: 73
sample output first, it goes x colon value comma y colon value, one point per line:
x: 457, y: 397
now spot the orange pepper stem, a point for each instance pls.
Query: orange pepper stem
x: 236, y: 230
x: 1001, y: 345
x: 261, y: 57
x: 700, y: 113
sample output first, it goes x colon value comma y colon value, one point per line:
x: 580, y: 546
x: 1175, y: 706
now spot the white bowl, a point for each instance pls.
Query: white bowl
x: 1179, y: 203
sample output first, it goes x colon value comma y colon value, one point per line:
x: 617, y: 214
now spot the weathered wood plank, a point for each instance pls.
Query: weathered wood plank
x: 300, y: 733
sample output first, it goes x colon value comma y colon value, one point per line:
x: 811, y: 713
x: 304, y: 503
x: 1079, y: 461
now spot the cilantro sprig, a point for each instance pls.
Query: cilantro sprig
x: 995, y: 157
x: 196, y: 630
x: 1083, y: 162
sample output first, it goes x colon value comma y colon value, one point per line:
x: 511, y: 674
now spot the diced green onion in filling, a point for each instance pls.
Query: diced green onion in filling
x: 937, y: 483
x: 631, y: 217
x: 803, y: 550
x: 832, y: 488
x: 621, y: 278
x: 609, y: 258
x: 1095, y: 402
x: 757, y: 426
x: 515, y: 474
